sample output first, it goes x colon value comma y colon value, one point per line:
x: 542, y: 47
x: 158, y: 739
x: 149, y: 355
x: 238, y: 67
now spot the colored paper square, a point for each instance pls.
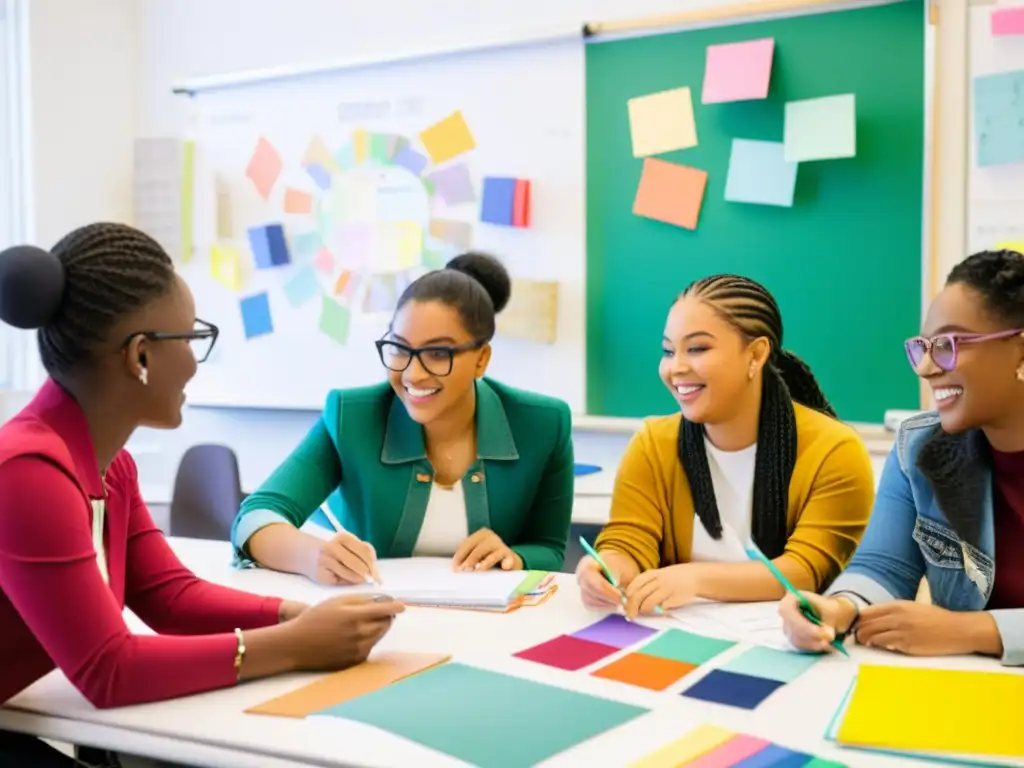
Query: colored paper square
x: 256, y: 318
x: 453, y: 184
x: 411, y: 160
x: 698, y: 742
x: 345, y: 157
x: 381, y: 294
x: 670, y: 192
x: 731, y: 689
x: 615, y: 631
x: 738, y: 71
x: 731, y: 752
x: 269, y: 247
x: 317, y: 153
x: 521, y: 204
x: 759, y: 173
x: 360, y: 145
x: 820, y: 762
x: 410, y: 244
x: 820, y: 129
x: 687, y: 647
x: 1007, y: 21
x: 324, y: 261
x: 999, y: 118
x: 567, y: 652
x: 320, y: 176
x: 774, y: 756
x: 302, y: 287
x: 334, y: 320
x: 264, y: 167
x: 662, y: 122
x: 297, y: 201
x: 457, y: 233
x: 434, y: 260
x: 448, y: 138
x: 306, y: 245
x: 380, y: 147
x: 783, y: 666
x: 498, y: 200
x: 226, y: 266
x: 343, y: 282
x: 643, y: 671
x: 356, y: 245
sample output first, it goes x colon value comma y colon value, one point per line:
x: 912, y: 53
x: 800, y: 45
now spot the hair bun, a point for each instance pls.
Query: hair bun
x: 31, y: 286
x: 487, y: 271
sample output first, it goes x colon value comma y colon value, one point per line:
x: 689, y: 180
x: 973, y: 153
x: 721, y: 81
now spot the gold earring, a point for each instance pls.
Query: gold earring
x: 1020, y: 372
x: 751, y: 372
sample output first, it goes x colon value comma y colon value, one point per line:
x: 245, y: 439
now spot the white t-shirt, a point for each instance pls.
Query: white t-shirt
x: 732, y: 475
x: 445, y: 525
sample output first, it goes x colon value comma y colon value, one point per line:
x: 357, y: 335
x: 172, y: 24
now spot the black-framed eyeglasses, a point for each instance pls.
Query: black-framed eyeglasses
x: 201, y: 339
x: 436, y: 360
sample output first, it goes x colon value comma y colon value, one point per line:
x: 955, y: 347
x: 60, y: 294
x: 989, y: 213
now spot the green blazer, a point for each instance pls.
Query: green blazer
x: 367, y: 458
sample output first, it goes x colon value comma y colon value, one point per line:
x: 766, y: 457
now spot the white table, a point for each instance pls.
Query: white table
x: 212, y: 730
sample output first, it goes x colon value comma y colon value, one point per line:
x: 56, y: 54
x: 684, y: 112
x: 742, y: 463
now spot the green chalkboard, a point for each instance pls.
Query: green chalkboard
x: 844, y: 262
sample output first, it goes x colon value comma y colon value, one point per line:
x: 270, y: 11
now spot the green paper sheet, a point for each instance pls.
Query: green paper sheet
x: 677, y: 645
x: 487, y: 719
x: 533, y: 578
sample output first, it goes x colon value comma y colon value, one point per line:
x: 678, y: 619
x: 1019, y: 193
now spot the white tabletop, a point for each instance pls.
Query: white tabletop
x: 212, y: 729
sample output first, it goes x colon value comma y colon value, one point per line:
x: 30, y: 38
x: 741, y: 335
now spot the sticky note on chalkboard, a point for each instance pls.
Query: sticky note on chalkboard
x: 448, y: 138
x: 256, y: 318
x: 662, y: 122
x: 670, y: 192
x: 738, y: 71
x: 999, y: 118
x: 759, y: 173
x: 820, y: 129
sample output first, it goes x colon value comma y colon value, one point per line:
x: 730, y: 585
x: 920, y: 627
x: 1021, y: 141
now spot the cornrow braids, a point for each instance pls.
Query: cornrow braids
x: 753, y: 312
x: 999, y: 277
x: 110, y: 270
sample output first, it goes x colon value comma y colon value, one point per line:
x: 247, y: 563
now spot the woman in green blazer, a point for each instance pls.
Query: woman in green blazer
x: 438, y: 461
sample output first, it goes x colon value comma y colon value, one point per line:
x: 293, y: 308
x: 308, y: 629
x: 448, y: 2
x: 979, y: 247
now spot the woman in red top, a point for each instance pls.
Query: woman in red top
x: 119, y: 339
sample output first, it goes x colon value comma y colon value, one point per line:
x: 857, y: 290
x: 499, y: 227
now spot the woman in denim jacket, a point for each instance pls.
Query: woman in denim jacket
x: 950, y: 504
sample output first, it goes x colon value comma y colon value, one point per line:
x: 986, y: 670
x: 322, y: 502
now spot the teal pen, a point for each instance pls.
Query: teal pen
x: 805, y: 606
x: 608, y: 571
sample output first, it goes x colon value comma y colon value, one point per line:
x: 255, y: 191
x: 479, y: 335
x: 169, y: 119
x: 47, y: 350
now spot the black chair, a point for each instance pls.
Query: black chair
x: 207, y: 493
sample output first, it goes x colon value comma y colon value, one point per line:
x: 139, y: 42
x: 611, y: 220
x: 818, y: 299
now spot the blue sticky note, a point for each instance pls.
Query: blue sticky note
x: 256, y: 315
x: 732, y: 689
x: 306, y: 245
x: 759, y: 173
x: 783, y: 666
x: 999, y: 118
x: 498, y: 201
x: 302, y: 287
x: 774, y: 756
x: 411, y: 160
x: 269, y: 247
x: 320, y: 175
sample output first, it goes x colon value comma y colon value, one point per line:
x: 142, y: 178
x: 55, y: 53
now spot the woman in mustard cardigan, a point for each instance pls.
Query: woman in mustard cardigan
x: 757, y: 455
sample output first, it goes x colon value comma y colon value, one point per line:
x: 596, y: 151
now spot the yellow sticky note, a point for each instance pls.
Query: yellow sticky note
x: 448, y: 138
x: 1009, y: 245
x: 226, y: 266
x: 935, y: 711
x: 410, y: 244
x: 662, y: 122
x: 360, y: 145
x: 696, y: 743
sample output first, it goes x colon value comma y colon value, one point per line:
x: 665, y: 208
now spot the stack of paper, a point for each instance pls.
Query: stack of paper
x: 944, y: 714
x: 430, y: 581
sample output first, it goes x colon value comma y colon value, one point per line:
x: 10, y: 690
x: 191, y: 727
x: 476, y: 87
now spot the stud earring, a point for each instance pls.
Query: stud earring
x: 750, y: 373
x: 1020, y: 372
x: 144, y: 377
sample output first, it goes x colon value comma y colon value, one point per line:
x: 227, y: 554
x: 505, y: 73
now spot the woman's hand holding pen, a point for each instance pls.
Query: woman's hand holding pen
x: 345, y: 559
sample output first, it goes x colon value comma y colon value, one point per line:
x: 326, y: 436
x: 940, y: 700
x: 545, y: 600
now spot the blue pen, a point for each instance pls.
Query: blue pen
x: 608, y: 571
x: 805, y: 606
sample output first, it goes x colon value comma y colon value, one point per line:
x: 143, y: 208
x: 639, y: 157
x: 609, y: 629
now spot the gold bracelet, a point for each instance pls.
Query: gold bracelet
x: 239, y: 654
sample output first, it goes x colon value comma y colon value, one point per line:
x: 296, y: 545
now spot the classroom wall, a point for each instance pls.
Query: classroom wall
x: 102, y: 71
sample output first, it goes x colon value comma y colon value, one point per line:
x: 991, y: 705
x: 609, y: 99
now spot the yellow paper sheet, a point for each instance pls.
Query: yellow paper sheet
x: 226, y: 266
x: 410, y: 244
x: 935, y: 711
x: 697, y: 742
x: 662, y: 122
x: 1009, y: 245
x: 448, y: 138
x: 360, y: 145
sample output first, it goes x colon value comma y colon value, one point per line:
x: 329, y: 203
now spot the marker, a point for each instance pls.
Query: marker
x: 608, y: 571
x: 805, y: 606
x: 339, y: 529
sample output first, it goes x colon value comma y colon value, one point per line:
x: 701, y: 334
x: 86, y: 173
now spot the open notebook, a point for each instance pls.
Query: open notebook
x: 430, y: 581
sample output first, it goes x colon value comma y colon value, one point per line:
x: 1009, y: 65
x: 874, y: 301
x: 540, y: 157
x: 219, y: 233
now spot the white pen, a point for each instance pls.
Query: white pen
x: 339, y: 529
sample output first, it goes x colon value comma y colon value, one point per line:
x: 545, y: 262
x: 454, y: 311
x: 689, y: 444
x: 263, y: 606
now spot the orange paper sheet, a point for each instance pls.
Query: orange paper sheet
x: 371, y: 675
x: 297, y: 201
x: 651, y: 672
x: 670, y: 192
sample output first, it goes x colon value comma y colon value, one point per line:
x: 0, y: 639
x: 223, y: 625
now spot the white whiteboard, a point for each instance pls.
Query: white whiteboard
x: 525, y: 109
x: 995, y: 198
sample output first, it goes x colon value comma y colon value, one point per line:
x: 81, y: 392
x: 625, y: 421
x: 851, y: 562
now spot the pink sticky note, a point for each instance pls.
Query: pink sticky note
x: 738, y: 71
x: 732, y: 752
x: 324, y: 261
x: 1008, y: 21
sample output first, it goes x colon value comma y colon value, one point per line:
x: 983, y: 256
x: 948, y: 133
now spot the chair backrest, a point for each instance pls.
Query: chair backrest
x: 207, y: 493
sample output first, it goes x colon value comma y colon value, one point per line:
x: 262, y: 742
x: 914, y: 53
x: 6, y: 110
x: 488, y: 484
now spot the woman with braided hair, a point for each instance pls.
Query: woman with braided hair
x: 950, y: 507
x: 756, y: 456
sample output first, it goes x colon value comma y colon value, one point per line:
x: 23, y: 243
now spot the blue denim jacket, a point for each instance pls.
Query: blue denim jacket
x: 909, y: 535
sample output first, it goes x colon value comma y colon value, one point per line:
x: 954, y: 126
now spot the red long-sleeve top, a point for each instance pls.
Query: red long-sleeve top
x: 56, y: 610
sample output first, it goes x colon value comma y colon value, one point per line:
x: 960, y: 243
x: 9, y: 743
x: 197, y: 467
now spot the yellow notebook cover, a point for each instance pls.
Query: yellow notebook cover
x: 936, y: 711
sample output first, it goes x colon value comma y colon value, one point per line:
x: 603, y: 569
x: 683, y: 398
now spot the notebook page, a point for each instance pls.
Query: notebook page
x: 431, y: 580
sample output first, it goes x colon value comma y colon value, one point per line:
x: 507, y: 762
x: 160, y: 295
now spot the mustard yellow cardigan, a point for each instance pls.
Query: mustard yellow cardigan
x: 830, y: 497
